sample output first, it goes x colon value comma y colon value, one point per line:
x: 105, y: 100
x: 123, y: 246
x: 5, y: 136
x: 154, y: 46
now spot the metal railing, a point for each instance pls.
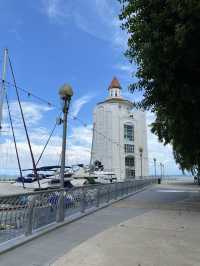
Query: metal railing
x: 25, y: 214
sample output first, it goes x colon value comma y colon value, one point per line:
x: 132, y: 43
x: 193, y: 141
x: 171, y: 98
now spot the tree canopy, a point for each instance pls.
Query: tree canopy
x: 164, y: 41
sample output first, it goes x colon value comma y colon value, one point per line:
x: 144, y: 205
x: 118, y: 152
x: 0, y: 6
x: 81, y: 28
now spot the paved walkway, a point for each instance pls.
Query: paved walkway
x: 157, y: 227
x: 166, y: 234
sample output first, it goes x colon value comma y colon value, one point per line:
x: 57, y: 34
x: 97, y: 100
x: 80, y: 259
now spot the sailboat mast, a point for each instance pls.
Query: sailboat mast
x: 3, y: 88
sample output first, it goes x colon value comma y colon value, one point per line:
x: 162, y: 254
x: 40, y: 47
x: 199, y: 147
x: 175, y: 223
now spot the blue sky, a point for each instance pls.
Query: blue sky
x: 79, y: 42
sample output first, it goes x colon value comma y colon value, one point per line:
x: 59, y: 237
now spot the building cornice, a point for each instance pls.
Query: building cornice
x: 119, y: 101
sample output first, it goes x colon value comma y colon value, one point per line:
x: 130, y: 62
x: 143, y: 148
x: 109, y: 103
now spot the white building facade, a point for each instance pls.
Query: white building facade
x: 120, y: 136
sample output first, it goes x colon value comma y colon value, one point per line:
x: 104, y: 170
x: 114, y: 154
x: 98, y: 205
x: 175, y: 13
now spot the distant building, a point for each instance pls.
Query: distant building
x: 120, y: 136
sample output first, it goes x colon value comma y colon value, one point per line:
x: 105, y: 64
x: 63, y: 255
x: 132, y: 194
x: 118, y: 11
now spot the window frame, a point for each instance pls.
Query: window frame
x: 128, y: 171
x: 129, y: 132
x: 128, y: 161
x: 129, y: 148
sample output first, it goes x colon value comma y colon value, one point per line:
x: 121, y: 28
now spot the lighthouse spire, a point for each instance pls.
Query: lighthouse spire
x: 114, y: 88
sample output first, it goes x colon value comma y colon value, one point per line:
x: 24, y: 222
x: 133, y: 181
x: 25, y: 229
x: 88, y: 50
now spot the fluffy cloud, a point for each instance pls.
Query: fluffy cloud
x: 78, y: 141
x: 33, y: 112
x: 78, y: 149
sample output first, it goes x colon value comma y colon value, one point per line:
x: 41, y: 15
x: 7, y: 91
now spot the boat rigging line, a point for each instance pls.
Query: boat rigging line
x: 30, y: 94
x: 14, y: 139
x: 24, y: 123
x: 47, y: 142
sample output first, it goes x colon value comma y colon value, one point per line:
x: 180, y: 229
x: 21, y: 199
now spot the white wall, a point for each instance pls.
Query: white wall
x: 109, y: 119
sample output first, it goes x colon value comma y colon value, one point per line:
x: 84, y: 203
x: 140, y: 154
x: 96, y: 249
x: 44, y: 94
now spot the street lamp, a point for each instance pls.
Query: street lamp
x: 65, y: 93
x: 161, y: 170
x: 141, y: 153
x: 154, y: 159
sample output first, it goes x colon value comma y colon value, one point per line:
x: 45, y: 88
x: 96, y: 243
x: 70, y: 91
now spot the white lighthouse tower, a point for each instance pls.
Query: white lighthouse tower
x: 120, y: 136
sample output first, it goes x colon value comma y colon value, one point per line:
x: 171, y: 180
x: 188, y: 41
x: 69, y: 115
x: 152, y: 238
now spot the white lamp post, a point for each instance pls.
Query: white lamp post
x: 66, y: 93
x: 141, y: 153
x: 154, y: 159
x: 161, y: 171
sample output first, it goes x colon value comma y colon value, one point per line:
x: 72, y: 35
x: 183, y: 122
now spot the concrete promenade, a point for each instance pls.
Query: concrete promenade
x: 157, y: 227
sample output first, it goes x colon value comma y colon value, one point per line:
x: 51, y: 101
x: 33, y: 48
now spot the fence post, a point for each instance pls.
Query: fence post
x: 61, y: 206
x: 132, y: 186
x: 116, y: 190
x: 108, y: 191
x: 98, y: 197
x: 120, y: 190
x: 112, y: 191
x: 83, y: 200
x: 124, y: 189
x: 29, y: 223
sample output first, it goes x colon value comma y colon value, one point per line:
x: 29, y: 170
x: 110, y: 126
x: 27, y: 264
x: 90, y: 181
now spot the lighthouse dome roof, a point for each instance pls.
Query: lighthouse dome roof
x: 114, y: 84
x: 115, y: 96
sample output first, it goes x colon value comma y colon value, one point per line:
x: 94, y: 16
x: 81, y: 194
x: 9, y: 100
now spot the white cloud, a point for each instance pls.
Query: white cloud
x: 127, y: 68
x: 108, y: 12
x: 53, y: 9
x: 78, y: 141
x: 79, y: 103
x: 8, y: 156
x: 81, y: 135
x: 79, y: 145
x: 33, y: 112
x: 127, y: 71
x: 78, y: 149
x: 98, y: 18
x: 157, y: 150
x: 78, y: 154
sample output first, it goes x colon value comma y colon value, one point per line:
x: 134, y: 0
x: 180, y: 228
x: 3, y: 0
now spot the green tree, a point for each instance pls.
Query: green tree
x: 164, y: 42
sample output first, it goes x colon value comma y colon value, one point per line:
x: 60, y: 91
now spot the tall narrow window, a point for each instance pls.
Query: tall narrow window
x: 128, y: 148
x: 129, y: 161
x: 128, y: 132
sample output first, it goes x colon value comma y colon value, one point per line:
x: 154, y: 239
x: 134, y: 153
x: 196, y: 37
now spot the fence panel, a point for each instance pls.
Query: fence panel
x: 23, y: 214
